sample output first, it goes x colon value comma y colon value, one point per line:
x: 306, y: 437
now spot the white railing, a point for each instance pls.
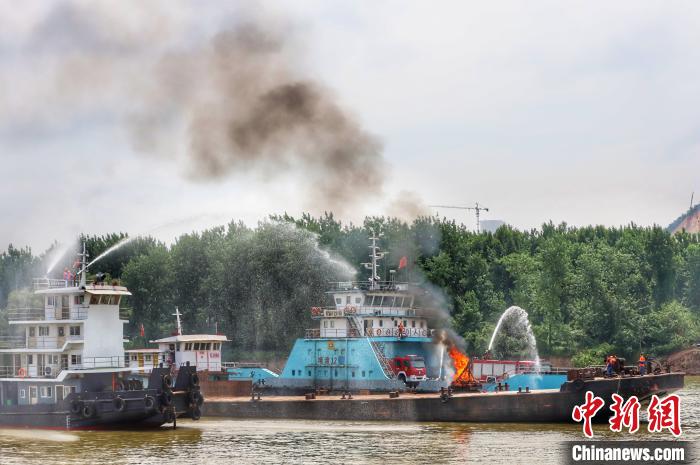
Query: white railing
x: 48, y: 283
x: 89, y: 363
x: 54, y: 370
x: 334, y: 312
x: 395, y: 332
x: 46, y: 314
x: 243, y: 365
x: 366, y: 286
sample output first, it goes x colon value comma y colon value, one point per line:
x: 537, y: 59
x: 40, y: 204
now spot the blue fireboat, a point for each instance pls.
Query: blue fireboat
x: 373, y: 337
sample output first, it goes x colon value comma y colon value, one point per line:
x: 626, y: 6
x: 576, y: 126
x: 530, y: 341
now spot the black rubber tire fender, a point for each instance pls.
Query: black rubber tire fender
x: 194, y: 379
x: 76, y: 406
x: 196, y: 413
x: 578, y: 384
x: 149, y: 402
x: 119, y: 404
x: 167, y: 382
x: 89, y: 410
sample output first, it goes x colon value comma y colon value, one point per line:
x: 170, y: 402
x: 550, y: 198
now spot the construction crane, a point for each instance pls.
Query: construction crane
x: 477, y: 209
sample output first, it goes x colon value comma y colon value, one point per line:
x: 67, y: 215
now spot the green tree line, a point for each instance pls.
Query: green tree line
x: 587, y: 290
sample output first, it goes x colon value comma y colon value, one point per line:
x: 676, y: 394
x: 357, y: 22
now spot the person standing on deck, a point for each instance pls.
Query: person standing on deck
x: 642, y: 365
x: 609, y: 366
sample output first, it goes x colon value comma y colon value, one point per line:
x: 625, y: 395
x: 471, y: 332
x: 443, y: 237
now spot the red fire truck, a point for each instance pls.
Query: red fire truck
x: 409, y: 368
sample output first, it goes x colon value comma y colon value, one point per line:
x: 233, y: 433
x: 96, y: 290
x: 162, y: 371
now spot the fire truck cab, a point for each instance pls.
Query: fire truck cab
x: 410, y: 369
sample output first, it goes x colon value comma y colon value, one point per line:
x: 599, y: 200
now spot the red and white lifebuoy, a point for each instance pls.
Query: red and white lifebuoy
x: 22, y: 372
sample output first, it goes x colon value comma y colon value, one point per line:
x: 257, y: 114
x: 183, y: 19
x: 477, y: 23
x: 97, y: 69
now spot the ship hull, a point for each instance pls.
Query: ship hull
x: 144, y: 408
x: 536, y: 406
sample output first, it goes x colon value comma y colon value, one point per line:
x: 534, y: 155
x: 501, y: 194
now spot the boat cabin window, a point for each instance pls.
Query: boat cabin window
x: 196, y: 346
x: 208, y: 346
x: 43, y: 330
x: 134, y: 357
x: 347, y: 300
x: 46, y: 391
x: 358, y: 300
x: 422, y: 324
x: 188, y: 346
x: 217, y: 346
x: 338, y: 300
x: 32, y: 331
x: 79, y: 299
x: 172, y: 346
x: 148, y: 357
x: 413, y: 323
x: 61, y: 331
x: 30, y: 359
x: 22, y: 393
x: 50, y: 300
x: 75, y: 330
x: 75, y: 359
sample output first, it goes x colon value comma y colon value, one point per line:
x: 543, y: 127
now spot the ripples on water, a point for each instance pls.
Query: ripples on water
x: 270, y: 442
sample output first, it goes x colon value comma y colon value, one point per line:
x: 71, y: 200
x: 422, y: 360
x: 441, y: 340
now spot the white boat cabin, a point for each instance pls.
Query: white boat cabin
x: 201, y: 350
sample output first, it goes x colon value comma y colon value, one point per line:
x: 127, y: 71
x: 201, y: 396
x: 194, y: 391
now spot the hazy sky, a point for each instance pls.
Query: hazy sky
x: 585, y: 112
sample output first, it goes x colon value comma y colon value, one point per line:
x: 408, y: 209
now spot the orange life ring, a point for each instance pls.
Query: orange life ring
x: 22, y: 373
x: 379, y: 332
x: 351, y: 310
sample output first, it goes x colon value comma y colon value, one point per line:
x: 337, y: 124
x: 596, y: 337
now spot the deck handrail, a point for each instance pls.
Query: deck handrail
x: 87, y: 363
x: 243, y: 365
x: 42, y: 313
x: 362, y: 310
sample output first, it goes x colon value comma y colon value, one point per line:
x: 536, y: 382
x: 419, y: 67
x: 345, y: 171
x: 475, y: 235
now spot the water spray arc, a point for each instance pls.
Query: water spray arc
x: 524, y: 323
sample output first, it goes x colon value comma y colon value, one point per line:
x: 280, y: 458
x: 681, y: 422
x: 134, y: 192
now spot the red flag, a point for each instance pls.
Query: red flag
x: 142, y: 331
x: 403, y: 263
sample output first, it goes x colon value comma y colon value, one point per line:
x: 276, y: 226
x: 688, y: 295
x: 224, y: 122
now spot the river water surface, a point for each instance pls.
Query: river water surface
x: 211, y: 441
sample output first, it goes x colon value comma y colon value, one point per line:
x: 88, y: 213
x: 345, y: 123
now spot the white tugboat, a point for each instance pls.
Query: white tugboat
x: 64, y: 366
x: 200, y: 350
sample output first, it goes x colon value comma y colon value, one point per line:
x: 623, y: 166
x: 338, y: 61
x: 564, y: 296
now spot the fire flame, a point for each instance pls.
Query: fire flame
x: 461, y: 363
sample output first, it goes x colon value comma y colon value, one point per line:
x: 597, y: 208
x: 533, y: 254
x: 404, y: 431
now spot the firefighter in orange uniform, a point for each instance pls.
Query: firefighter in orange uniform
x: 642, y: 365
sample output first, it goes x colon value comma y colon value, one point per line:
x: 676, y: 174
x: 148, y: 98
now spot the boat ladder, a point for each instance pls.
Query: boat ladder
x: 377, y: 348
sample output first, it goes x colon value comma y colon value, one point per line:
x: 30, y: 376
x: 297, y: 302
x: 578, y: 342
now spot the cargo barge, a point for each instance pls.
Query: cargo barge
x: 547, y: 405
x: 64, y: 367
x: 374, y: 357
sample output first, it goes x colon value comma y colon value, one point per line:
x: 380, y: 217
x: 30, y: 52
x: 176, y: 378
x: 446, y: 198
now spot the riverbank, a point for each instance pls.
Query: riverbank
x: 687, y: 361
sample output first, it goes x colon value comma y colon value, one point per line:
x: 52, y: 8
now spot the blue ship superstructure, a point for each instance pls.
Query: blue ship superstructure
x: 359, y: 337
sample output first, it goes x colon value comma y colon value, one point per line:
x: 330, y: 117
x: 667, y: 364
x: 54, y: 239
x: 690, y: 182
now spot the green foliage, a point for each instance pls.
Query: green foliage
x: 587, y: 290
x: 592, y: 356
